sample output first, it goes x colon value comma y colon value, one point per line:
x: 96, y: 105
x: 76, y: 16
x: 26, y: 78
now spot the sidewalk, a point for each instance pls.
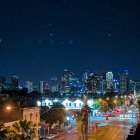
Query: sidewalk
x: 66, y: 128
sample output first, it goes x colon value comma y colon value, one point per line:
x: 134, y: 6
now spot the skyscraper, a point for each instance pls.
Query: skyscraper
x: 109, y: 81
x: 15, y: 82
x: 85, y: 76
x: 41, y: 86
x: 66, y: 80
x: 115, y: 85
x: 29, y: 86
x: 2, y: 83
x: 93, y: 83
x: 123, y: 81
x: 103, y: 86
x: 54, y: 84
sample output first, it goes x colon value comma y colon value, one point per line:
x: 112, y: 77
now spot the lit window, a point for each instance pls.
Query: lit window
x: 66, y: 104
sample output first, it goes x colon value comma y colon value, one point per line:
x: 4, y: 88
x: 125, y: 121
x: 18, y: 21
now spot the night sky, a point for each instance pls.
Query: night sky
x: 40, y: 38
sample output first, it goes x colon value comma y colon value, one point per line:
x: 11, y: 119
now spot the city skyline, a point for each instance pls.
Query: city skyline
x: 80, y: 78
x: 38, y: 39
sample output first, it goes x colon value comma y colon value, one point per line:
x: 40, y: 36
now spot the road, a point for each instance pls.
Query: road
x: 118, y: 130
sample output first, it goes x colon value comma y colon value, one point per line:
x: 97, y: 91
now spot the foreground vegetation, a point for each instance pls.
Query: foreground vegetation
x: 20, y: 130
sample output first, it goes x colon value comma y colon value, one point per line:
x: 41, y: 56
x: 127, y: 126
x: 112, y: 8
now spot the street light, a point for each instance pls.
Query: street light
x: 8, y: 108
x: 116, y: 96
x: 11, y: 107
x: 115, y: 101
x: 107, y: 98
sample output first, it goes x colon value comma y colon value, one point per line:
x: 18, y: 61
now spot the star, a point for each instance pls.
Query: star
x: 51, y: 34
x: 71, y: 42
x: 109, y: 35
x: 50, y: 24
x: 0, y: 40
x: 79, y: 41
x: 39, y: 41
x: 51, y: 42
x: 61, y: 42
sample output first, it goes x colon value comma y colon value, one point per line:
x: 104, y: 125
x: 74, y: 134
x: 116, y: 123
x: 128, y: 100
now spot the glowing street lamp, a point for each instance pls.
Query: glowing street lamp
x: 107, y: 98
x: 115, y: 101
x: 11, y: 107
x: 8, y: 107
x: 66, y: 108
x: 116, y: 96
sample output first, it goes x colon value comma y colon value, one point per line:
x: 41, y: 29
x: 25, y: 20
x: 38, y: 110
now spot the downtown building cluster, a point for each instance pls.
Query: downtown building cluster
x: 12, y: 85
x: 70, y: 85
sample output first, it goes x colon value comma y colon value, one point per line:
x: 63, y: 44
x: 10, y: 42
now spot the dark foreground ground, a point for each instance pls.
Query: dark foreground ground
x: 136, y: 136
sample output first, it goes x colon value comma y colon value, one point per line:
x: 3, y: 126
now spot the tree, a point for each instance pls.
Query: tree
x: 84, y: 122
x: 78, y: 125
x: 21, y: 130
x: 96, y: 104
x: 3, y: 132
x: 137, y: 104
x: 55, y: 115
x: 104, y: 105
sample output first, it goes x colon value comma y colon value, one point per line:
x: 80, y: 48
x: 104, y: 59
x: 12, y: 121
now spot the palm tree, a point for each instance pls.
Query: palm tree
x: 104, y: 105
x: 84, y: 124
x: 21, y: 130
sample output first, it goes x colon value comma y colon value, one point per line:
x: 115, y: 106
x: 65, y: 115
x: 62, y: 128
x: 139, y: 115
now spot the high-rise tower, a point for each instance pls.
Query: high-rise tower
x: 123, y: 81
x: 15, y: 82
x: 109, y: 81
x: 29, y: 86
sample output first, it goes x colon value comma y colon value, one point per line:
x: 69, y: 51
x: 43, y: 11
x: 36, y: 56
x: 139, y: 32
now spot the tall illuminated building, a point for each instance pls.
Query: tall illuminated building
x: 85, y: 76
x: 93, y: 83
x: 115, y: 85
x: 54, y: 84
x: 66, y: 80
x: 2, y: 83
x: 134, y: 86
x: 123, y: 82
x: 103, y: 86
x: 29, y: 86
x: 69, y: 83
x: 15, y: 82
x: 109, y: 81
x: 41, y: 87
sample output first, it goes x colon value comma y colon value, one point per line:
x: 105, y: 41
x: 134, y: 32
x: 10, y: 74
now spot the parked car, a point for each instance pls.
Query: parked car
x: 57, y: 134
x: 132, y: 131
x: 51, y: 136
